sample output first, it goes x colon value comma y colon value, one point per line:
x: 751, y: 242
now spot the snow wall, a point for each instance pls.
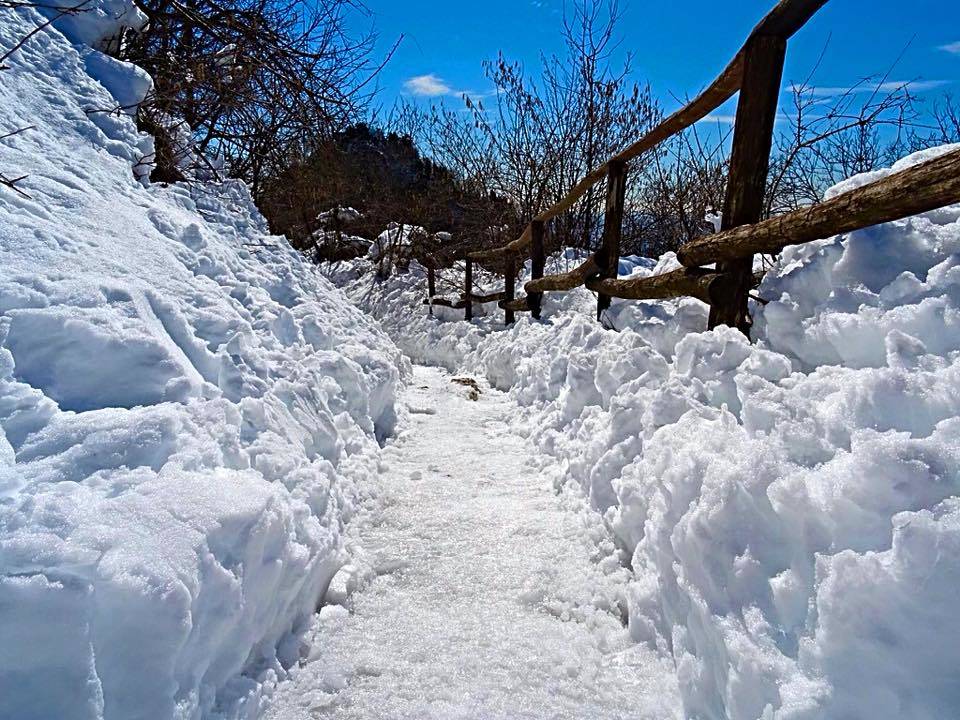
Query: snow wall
x: 187, y: 410
x: 789, y: 508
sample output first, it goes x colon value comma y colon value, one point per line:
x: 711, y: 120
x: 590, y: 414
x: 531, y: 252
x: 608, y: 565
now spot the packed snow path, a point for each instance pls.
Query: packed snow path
x: 488, y: 600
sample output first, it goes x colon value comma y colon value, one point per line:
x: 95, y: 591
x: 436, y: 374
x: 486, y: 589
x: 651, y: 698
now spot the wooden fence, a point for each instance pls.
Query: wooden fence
x: 756, y: 72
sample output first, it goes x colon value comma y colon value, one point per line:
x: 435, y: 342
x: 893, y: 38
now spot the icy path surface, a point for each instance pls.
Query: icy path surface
x: 490, y: 598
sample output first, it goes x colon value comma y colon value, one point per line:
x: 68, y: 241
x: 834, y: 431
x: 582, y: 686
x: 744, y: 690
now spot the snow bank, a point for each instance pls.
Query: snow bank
x: 440, y: 337
x: 186, y: 413
x: 790, y: 508
x: 397, y: 303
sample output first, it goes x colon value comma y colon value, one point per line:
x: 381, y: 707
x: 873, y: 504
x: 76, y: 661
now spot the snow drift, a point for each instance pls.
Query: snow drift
x: 791, y: 508
x: 186, y: 409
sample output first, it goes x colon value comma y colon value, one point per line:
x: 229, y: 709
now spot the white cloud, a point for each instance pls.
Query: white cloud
x: 953, y: 48
x: 721, y: 119
x: 427, y: 86
x: 431, y: 85
x: 889, y: 86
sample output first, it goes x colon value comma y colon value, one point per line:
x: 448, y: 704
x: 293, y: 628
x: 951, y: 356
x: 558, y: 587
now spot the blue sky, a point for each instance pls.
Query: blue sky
x: 678, y: 46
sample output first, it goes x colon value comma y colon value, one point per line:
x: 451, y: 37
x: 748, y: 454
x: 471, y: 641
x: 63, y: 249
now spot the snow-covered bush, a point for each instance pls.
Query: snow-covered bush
x: 187, y: 413
x: 790, y: 508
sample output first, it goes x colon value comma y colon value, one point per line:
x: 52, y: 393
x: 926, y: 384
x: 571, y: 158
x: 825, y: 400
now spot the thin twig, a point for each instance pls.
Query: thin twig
x: 17, y: 131
x: 12, y: 184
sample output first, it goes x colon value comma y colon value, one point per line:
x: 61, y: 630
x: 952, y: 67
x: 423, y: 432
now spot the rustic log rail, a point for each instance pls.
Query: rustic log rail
x: 565, y: 281
x: 756, y: 72
x: 918, y: 189
x: 692, y: 282
x: 784, y: 20
x: 445, y: 302
x: 462, y: 301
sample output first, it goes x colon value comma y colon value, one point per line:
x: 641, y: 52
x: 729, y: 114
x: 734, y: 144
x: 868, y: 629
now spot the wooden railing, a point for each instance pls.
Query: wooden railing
x: 756, y: 72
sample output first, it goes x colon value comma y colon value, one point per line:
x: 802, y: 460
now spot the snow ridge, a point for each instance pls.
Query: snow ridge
x: 188, y: 412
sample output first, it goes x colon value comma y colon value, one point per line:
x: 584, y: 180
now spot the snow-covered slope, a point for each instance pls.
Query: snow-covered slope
x: 790, y: 509
x: 186, y: 412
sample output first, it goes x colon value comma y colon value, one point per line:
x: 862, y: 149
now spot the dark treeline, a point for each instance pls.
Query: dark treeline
x: 385, y: 177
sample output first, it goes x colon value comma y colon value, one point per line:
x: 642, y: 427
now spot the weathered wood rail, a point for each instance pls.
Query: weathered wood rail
x: 756, y: 73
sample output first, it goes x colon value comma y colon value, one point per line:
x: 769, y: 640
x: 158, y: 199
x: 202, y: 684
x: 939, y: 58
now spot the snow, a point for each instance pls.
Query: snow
x: 789, y: 508
x: 94, y: 22
x: 858, y: 181
x: 634, y: 519
x: 475, y: 591
x: 189, y: 413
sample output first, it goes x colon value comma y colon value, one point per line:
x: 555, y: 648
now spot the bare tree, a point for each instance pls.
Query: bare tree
x: 946, y: 119
x: 670, y: 203
x: 832, y: 135
x: 940, y: 126
x: 250, y: 79
x: 546, y: 133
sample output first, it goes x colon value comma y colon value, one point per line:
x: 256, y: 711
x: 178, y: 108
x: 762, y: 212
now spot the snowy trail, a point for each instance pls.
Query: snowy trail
x: 488, y: 599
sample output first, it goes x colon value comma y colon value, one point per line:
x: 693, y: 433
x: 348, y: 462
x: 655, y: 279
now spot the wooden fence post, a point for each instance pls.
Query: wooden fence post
x: 509, y: 287
x: 468, y: 291
x: 749, y: 164
x: 431, y: 285
x: 538, y: 261
x: 608, y: 257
